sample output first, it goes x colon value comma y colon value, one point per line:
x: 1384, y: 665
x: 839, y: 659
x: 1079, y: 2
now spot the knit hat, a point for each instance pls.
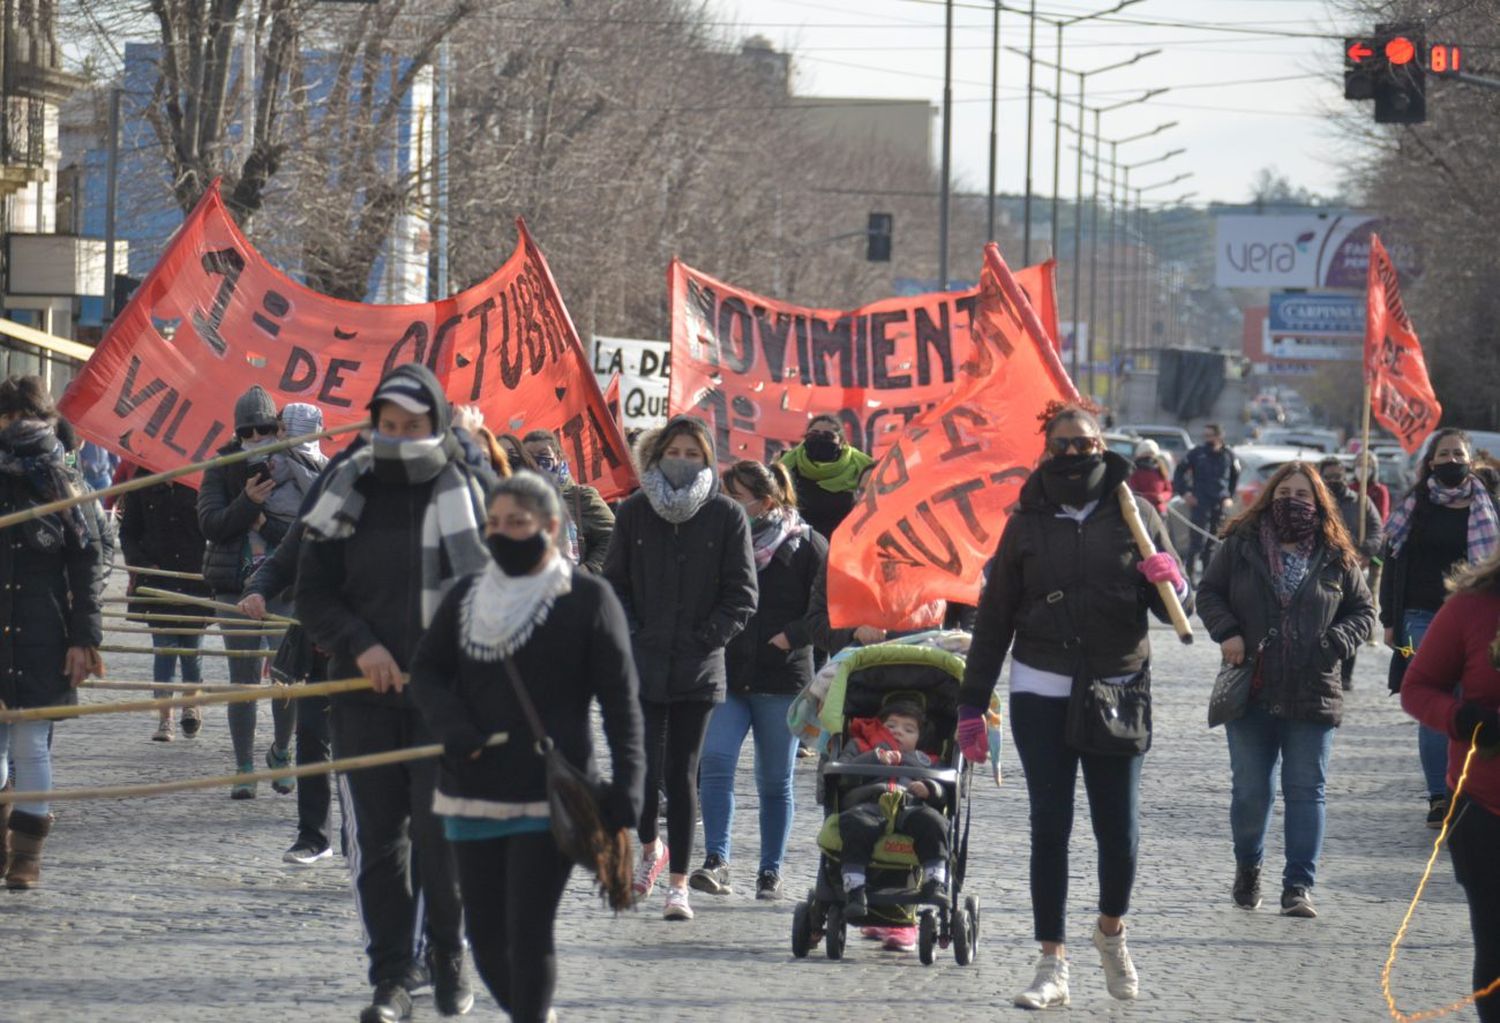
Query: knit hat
x: 255, y: 407
x: 301, y: 419
x: 1147, y: 449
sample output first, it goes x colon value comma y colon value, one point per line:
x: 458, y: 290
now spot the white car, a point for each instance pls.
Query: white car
x: 1259, y: 462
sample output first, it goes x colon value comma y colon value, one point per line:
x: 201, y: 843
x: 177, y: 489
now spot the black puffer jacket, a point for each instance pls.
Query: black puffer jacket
x: 579, y: 653
x: 225, y: 517
x: 49, y: 601
x: 688, y: 590
x: 159, y: 529
x: 785, y: 597
x: 1329, y: 616
x: 1093, y: 563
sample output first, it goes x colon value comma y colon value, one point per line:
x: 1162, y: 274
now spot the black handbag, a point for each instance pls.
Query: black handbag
x: 1230, y: 698
x: 572, y: 796
x: 1108, y: 718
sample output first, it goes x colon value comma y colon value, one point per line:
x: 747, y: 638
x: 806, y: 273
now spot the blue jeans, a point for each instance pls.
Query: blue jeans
x: 764, y: 716
x: 1256, y: 742
x: 164, y: 666
x: 1432, y: 745
x: 27, y: 742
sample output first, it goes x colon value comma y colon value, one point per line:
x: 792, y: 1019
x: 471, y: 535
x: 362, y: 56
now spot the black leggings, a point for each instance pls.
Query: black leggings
x: 1475, y: 838
x: 510, y: 889
x: 674, y: 741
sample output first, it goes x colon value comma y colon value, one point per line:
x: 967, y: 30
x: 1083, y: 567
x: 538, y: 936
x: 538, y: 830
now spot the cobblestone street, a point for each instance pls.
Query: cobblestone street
x: 180, y: 908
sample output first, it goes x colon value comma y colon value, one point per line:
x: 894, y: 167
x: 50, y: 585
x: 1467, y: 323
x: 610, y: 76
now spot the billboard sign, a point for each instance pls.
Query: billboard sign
x: 1301, y: 250
x: 1316, y: 314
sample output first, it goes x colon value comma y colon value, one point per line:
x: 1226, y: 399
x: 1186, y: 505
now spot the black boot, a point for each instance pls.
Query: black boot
x: 450, y: 989
x: 391, y: 1004
x: 27, y: 833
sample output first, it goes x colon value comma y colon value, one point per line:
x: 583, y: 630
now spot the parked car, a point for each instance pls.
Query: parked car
x: 1173, y: 440
x: 1259, y: 462
x: 1302, y: 437
x: 1485, y: 441
x: 1121, y: 443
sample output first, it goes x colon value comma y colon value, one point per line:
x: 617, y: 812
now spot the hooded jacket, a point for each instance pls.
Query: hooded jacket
x: 688, y: 589
x: 364, y: 590
x: 1093, y: 565
x: 783, y: 602
x: 225, y: 512
x: 1328, y: 617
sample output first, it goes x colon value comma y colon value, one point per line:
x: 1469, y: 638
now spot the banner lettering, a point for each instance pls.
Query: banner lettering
x: 1401, y: 395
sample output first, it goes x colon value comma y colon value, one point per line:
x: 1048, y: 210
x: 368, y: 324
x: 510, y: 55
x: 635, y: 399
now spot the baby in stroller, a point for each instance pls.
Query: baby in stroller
x: 906, y: 805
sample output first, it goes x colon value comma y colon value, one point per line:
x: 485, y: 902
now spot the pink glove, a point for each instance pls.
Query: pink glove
x: 1161, y: 567
x: 973, y: 742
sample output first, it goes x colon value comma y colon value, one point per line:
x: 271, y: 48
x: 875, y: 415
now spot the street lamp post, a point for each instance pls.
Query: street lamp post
x: 994, y: 119
x: 1129, y: 302
x: 947, y: 147
x: 1030, y: 95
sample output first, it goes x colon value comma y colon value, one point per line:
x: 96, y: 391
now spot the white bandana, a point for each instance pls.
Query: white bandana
x: 500, y: 612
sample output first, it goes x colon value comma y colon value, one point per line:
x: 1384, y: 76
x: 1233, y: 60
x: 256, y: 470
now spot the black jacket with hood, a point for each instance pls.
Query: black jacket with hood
x: 366, y: 589
x: 225, y: 512
x: 1329, y: 616
x: 785, y: 588
x: 688, y: 589
x: 1093, y: 564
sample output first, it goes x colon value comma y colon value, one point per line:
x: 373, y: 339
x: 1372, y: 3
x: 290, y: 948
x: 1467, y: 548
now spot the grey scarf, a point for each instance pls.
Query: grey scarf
x: 672, y: 504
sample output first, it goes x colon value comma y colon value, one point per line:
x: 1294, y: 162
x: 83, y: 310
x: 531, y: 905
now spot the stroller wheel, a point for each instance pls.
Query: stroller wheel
x: 971, y: 905
x: 833, y: 936
x: 926, y: 938
x: 963, y: 937
x: 801, y: 930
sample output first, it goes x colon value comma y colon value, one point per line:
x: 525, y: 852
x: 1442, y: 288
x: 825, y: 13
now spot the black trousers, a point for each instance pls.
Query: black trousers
x: 402, y: 864
x: 511, y: 888
x: 1473, y: 843
x: 315, y: 794
x: 674, y: 742
x: 860, y: 827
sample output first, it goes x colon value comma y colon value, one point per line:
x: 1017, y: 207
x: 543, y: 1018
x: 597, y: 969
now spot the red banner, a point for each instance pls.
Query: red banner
x: 214, y: 318
x: 1401, y: 396
x: 934, y: 510
x: 757, y: 369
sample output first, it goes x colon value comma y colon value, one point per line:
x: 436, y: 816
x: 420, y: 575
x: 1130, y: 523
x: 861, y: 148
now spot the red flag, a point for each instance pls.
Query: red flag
x: 1401, y: 395
x: 935, y: 507
x: 213, y: 317
x: 757, y: 369
x: 612, y: 401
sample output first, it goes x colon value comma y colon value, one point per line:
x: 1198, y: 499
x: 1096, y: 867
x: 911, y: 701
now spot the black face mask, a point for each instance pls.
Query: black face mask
x: 1338, y: 488
x: 1451, y: 474
x: 1073, y: 480
x: 821, y: 449
x: 516, y: 557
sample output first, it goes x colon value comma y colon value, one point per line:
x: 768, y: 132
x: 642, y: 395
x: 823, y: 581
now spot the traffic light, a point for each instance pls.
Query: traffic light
x: 1388, y: 66
x: 878, y: 238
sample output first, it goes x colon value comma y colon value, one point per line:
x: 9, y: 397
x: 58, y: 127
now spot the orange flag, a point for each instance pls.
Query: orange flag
x: 1401, y: 395
x: 937, y: 503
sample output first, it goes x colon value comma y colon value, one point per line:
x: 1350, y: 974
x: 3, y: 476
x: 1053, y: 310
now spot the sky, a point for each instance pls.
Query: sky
x: 1232, y: 120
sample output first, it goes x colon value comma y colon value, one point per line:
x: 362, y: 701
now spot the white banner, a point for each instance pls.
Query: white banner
x: 645, y: 371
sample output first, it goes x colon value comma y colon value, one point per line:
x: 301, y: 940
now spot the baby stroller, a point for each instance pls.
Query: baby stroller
x: 863, y: 681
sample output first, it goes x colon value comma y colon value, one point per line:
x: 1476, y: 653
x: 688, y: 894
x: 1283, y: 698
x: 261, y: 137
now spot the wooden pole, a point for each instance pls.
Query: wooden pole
x: 1147, y: 548
x: 169, y: 597
x: 177, y: 599
x: 162, y: 572
x: 1364, y: 454
x: 398, y: 756
x: 241, y: 694
x: 168, y: 631
x: 184, y: 651
x: 159, y: 687
x: 142, y: 482
x: 149, y: 617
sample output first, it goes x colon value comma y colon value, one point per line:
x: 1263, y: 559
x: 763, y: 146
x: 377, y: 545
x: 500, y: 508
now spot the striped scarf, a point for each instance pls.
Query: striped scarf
x: 1484, y: 530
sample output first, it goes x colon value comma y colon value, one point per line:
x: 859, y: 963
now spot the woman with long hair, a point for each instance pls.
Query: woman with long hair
x: 1447, y: 519
x: 1453, y: 687
x: 1067, y: 594
x: 681, y: 562
x: 1285, y: 589
x: 767, y: 665
x: 50, y: 583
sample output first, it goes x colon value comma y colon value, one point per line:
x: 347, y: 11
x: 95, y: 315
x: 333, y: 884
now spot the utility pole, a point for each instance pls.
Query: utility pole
x: 1078, y: 230
x: 444, y: 98
x: 1094, y: 259
x: 947, y: 144
x: 1057, y: 138
x: 1030, y: 96
x: 111, y: 194
x: 994, y: 120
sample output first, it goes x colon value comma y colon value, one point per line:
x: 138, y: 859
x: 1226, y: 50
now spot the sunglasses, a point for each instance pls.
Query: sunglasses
x: 246, y: 432
x: 1083, y: 445
x: 821, y: 435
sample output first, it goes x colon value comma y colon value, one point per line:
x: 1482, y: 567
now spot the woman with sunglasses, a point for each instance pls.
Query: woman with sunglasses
x: 1068, y: 591
x: 826, y: 471
x: 231, y: 515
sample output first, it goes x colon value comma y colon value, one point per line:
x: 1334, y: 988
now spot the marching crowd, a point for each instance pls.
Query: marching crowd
x: 490, y: 599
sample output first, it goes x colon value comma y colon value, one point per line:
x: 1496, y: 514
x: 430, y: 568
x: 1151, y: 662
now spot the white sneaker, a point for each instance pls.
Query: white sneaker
x: 676, y: 907
x: 1049, y: 987
x: 1119, y: 971
x: 648, y: 870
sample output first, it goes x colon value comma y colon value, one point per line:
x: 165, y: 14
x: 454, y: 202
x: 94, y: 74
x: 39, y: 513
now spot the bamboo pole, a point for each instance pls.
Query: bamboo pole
x: 142, y: 482
x: 1364, y: 456
x: 397, y: 756
x: 146, y: 616
x: 184, y: 651
x: 157, y: 601
x: 160, y: 687
x: 1147, y: 548
x: 241, y: 694
x: 193, y: 576
x: 218, y: 605
x: 168, y: 631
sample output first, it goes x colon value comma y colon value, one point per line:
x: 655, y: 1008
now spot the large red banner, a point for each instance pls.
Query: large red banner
x: 1401, y: 395
x: 757, y: 369
x: 934, y: 510
x: 213, y: 318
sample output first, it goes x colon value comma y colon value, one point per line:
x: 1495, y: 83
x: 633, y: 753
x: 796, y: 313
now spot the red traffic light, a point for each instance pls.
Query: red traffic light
x: 1400, y: 50
x: 1444, y: 58
x: 1359, y: 51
